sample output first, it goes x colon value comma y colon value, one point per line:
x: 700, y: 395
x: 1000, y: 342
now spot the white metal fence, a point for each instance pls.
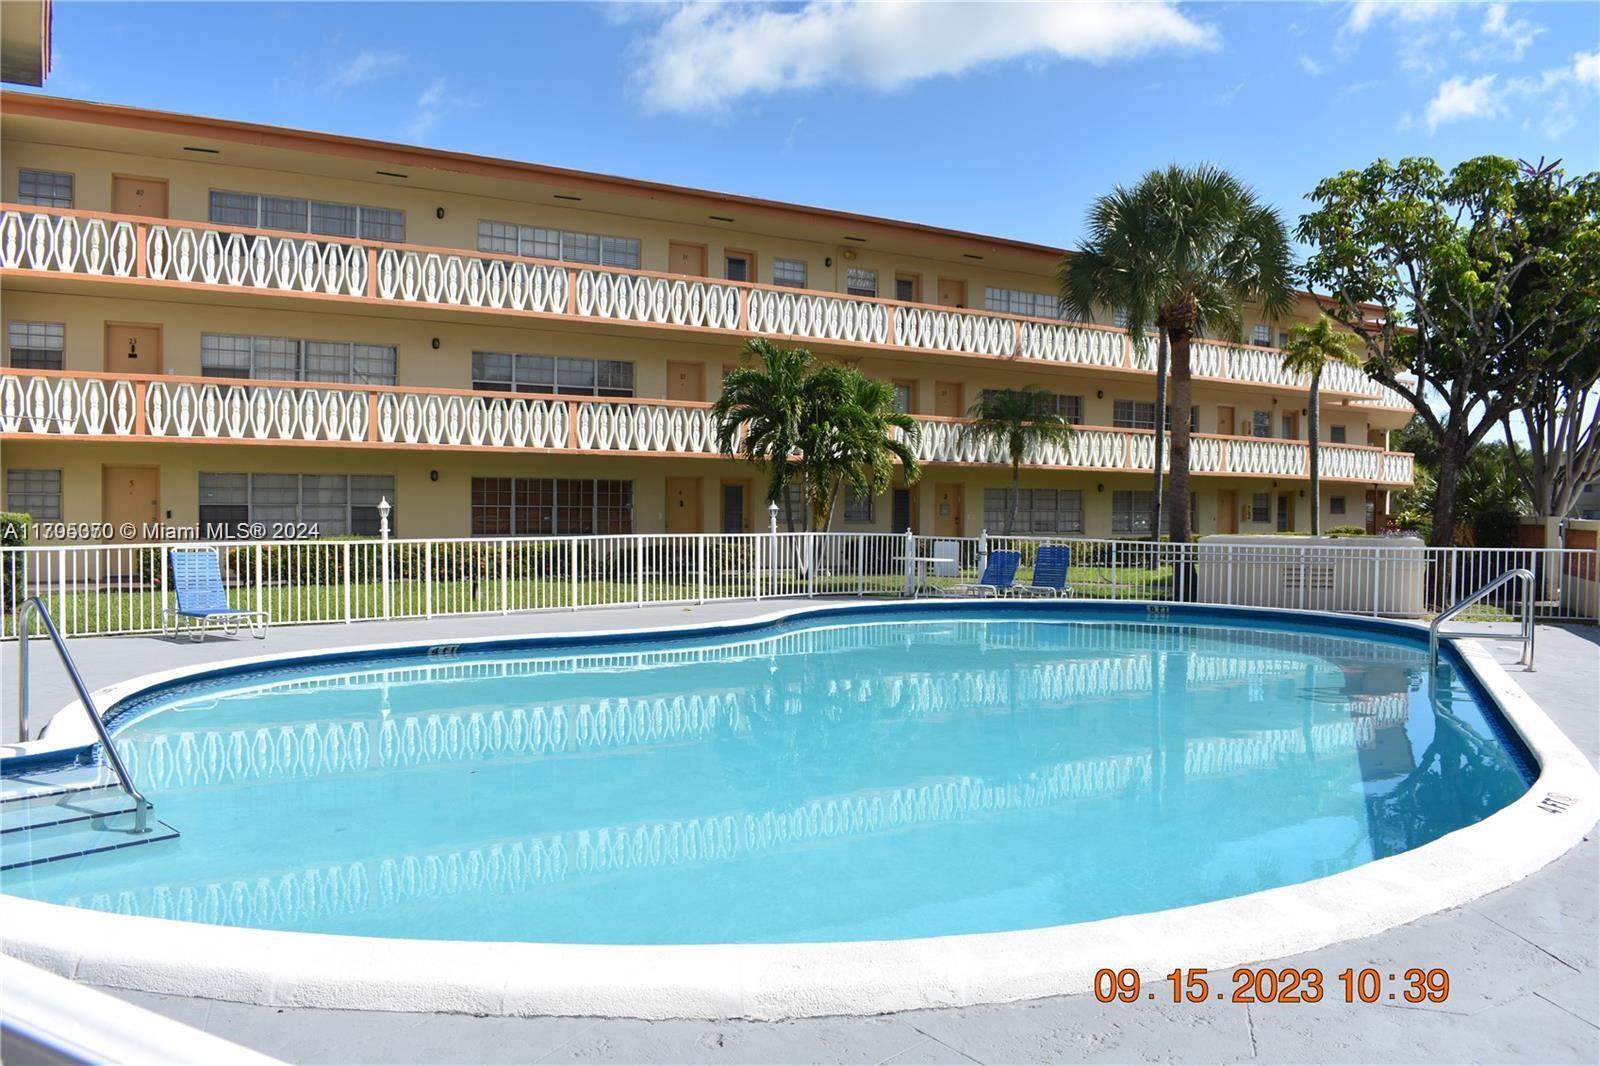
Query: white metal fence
x: 110, y: 589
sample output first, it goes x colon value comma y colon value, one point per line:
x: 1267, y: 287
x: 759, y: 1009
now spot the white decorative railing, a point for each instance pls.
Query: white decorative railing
x: 73, y: 242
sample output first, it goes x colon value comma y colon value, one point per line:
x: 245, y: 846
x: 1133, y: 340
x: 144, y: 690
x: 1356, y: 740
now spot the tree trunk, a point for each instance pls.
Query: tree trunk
x: 1314, y: 444
x: 1161, y: 437
x: 1452, y: 457
x: 1178, y: 526
x: 1016, y: 496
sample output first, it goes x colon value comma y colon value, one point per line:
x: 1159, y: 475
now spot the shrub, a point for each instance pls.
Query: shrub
x: 1346, y: 531
x: 14, y: 528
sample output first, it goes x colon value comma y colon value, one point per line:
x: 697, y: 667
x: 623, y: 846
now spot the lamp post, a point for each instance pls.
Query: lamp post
x: 384, y: 507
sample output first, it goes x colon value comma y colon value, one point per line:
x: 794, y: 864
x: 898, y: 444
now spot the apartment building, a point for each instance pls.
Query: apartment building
x: 211, y: 323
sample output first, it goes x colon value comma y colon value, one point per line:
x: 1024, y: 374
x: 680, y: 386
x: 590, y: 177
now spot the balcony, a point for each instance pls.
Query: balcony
x: 65, y: 405
x: 54, y: 243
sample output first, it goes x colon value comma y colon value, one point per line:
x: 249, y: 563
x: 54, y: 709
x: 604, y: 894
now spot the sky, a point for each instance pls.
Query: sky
x: 996, y: 118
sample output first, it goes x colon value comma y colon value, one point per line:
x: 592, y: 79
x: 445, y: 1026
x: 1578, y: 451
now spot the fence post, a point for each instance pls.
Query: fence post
x: 574, y: 573
x: 700, y: 561
x: 983, y: 552
x: 861, y: 564
x: 1113, y: 569
x: 1229, y: 549
x: 383, y: 547
x: 345, y: 569
x: 1377, y: 566
x: 910, y: 566
x: 505, y: 577
x: 61, y: 592
x: 811, y: 564
x: 638, y: 567
x: 261, y: 580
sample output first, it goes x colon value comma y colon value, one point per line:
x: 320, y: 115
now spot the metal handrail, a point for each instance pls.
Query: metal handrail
x: 29, y: 608
x: 1522, y: 574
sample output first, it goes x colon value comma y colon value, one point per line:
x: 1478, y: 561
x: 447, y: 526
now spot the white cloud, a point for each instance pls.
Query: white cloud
x: 366, y: 65
x: 1310, y: 66
x: 429, y: 104
x: 1363, y: 14
x: 1459, y: 99
x: 1586, y: 68
x: 704, y: 56
x: 1503, y: 37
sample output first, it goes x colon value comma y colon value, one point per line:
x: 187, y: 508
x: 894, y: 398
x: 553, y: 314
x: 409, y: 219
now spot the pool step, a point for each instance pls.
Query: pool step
x: 63, y: 825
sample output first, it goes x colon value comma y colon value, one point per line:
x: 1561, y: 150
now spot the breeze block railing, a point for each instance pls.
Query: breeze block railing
x: 116, y: 588
x: 68, y: 404
x: 82, y: 244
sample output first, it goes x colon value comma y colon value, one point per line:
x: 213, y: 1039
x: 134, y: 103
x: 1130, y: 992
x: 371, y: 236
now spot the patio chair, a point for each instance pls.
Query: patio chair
x: 999, y: 576
x: 1050, y: 572
x: 203, y: 599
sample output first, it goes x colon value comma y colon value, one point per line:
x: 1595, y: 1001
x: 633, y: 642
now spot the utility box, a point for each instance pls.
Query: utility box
x: 1357, y: 575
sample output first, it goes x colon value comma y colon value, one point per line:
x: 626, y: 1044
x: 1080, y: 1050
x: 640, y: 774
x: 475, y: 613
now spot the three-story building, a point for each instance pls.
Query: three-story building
x: 212, y: 322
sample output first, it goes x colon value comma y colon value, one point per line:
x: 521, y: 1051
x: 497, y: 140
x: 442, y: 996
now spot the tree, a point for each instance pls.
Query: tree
x: 1451, y: 279
x: 1310, y: 350
x: 1017, y: 421
x: 761, y: 413
x: 1183, y: 251
x: 825, y: 425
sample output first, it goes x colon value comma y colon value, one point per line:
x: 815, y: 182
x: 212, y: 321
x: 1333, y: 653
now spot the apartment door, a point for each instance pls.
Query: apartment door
x: 686, y: 381
x: 130, y: 501
x: 947, y: 399
x: 133, y: 348
x: 947, y: 509
x: 1285, y: 513
x: 139, y: 196
x: 952, y: 292
x: 683, y: 505
x: 1225, y: 420
x: 1291, y: 426
x: 904, y: 506
x: 736, y: 507
x: 687, y: 259
x: 1228, y: 511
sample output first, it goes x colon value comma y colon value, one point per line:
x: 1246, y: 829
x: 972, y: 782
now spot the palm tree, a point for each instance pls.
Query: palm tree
x: 1310, y: 350
x: 1016, y: 420
x: 1184, y: 251
x: 761, y: 413
x: 829, y: 426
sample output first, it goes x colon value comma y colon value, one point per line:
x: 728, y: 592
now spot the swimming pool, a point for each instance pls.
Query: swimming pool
x: 861, y: 775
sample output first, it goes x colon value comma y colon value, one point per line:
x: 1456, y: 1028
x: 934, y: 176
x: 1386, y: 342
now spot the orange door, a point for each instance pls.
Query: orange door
x: 686, y: 381
x: 1228, y: 511
x: 1225, y: 420
x: 947, y: 399
x: 133, y: 349
x: 130, y: 501
x: 683, y: 505
x: 687, y: 259
x: 139, y: 196
x: 952, y: 292
x: 947, y: 504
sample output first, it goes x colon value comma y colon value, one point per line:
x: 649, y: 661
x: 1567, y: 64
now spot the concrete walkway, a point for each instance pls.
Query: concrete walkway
x: 1524, y: 962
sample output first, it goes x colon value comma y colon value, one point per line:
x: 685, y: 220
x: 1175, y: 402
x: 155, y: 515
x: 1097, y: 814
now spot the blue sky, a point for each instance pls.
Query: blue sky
x: 1000, y: 119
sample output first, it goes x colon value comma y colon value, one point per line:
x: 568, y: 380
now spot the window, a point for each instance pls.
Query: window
x: 860, y: 281
x: 1336, y: 434
x: 226, y: 355
x: 902, y: 397
x: 1068, y: 408
x: 37, y: 345
x: 1336, y: 505
x: 790, y: 272
x: 1133, y: 414
x: 44, y: 188
x: 505, y: 506
x: 338, y: 504
x: 1288, y: 427
x: 1261, y: 335
x: 508, y: 238
x: 1018, y: 302
x: 1038, y: 510
x: 792, y: 511
x: 737, y: 267
x: 551, y: 375
x: 36, y: 493
x: 1120, y: 317
x: 1283, y: 338
x: 857, y: 506
x: 1261, y: 424
x: 307, y: 216
x: 905, y: 289
x: 1130, y: 511
x: 1261, y: 507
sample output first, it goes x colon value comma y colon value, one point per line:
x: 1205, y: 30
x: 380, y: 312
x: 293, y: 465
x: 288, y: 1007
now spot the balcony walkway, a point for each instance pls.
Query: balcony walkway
x: 1524, y: 962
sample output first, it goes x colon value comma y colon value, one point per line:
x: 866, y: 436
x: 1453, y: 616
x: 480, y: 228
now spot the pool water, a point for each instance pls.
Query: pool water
x: 864, y: 777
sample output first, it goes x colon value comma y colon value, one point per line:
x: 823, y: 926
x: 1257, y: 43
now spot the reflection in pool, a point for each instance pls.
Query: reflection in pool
x: 879, y: 777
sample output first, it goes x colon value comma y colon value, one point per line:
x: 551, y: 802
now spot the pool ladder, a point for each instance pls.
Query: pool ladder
x: 53, y: 815
x: 1521, y: 574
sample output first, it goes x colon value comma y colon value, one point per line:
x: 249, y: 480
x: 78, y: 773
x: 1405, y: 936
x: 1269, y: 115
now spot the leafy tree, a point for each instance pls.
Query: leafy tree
x: 824, y: 425
x: 1453, y: 279
x: 1016, y: 421
x: 1183, y: 251
x: 1311, y: 349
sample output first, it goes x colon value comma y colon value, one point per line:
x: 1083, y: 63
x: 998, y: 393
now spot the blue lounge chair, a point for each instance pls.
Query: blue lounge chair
x: 999, y: 576
x: 203, y: 599
x: 1050, y: 572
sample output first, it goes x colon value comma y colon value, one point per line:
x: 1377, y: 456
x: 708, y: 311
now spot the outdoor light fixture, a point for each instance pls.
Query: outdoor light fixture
x: 1099, y: 394
x: 436, y: 344
x: 433, y: 475
x: 383, y: 516
x: 438, y: 212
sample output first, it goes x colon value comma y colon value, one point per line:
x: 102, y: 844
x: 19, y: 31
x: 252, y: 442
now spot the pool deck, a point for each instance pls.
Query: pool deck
x: 1524, y: 962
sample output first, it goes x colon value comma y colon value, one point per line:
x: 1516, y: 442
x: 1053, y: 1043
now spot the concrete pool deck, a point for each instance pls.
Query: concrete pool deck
x: 1523, y: 960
